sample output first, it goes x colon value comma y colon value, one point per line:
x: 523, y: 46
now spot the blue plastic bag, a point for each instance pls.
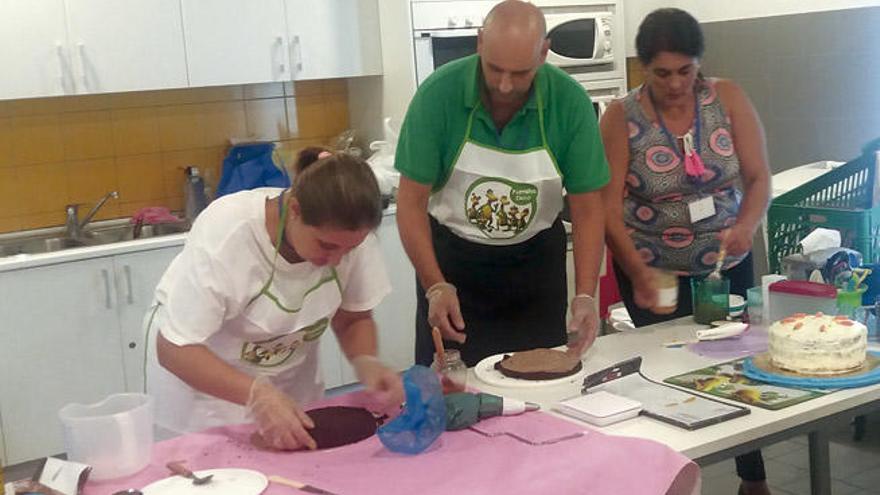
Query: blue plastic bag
x: 249, y: 166
x: 424, y: 417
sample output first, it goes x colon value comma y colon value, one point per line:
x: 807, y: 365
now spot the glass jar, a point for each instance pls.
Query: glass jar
x: 667, y: 292
x: 453, y: 372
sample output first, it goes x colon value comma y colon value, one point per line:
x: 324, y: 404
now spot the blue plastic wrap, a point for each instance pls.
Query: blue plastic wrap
x: 423, y: 418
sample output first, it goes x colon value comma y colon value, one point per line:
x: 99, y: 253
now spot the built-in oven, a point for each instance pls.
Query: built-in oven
x: 445, y: 31
x: 602, y: 93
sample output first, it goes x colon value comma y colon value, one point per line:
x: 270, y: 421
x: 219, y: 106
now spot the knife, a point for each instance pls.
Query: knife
x: 298, y: 485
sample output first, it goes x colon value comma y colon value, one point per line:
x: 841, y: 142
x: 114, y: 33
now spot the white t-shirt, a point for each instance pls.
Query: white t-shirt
x: 211, y: 295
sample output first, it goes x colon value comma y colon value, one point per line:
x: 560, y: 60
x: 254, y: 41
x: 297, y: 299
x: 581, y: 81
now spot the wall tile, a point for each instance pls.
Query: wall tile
x: 36, y: 106
x: 222, y: 121
x: 87, y: 135
x: 180, y: 127
x: 57, y: 151
x: 43, y: 188
x: 89, y: 180
x: 10, y: 224
x: 336, y: 114
x: 6, y: 158
x: 266, y: 119
x: 135, y: 130
x: 310, y: 115
x: 265, y: 90
x: 85, y: 103
x: 12, y: 201
x: 334, y: 86
x: 307, y: 88
x: 140, y: 177
x: 36, y: 139
x: 38, y: 220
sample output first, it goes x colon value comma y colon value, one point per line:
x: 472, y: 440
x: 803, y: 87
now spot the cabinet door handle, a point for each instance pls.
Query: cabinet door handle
x: 299, y: 62
x: 130, y: 297
x: 81, y: 48
x: 63, y: 67
x: 106, y: 276
x: 282, y: 67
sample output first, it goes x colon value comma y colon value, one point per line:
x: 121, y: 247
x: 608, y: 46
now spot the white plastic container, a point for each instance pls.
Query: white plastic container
x: 600, y: 408
x: 114, y: 436
x: 799, y: 296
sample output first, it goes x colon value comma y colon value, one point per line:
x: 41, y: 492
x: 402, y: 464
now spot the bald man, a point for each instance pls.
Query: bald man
x: 489, y: 145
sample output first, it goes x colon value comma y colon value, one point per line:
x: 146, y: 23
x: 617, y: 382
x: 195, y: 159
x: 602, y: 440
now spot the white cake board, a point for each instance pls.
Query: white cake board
x: 486, y: 372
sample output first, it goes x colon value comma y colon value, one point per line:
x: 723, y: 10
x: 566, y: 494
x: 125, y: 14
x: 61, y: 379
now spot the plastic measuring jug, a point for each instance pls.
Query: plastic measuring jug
x: 114, y: 436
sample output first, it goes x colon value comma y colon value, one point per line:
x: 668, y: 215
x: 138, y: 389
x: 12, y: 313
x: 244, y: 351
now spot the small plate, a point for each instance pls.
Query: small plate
x: 227, y: 481
x: 486, y: 372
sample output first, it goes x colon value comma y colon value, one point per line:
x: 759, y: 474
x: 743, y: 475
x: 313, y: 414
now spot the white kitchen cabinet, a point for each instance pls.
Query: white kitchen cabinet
x: 126, y: 45
x: 61, y: 344
x: 334, y: 38
x: 235, y: 41
x: 137, y: 275
x: 63, y: 47
x: 70, y: 332
x: 33, y: 34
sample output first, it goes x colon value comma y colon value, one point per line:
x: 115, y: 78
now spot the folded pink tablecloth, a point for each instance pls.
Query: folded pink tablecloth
x: 543, y: 455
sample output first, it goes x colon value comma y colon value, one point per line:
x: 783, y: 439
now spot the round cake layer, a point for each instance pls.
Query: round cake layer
x: 539, y: 364
x: 818, y: 343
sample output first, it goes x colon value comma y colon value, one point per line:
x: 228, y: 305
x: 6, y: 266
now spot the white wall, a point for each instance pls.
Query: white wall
x: 373, y: 98
x: 711, y: 11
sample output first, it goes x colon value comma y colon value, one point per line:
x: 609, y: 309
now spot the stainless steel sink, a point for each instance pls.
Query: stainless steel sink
x: 49, y: 241
x: 38, y: 245
x: 127, y: 232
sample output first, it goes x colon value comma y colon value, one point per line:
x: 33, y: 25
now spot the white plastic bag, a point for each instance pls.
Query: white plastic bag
x: 382, y: 159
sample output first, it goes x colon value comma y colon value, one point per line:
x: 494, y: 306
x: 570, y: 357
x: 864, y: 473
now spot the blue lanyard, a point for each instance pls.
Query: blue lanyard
x: 672, y: 141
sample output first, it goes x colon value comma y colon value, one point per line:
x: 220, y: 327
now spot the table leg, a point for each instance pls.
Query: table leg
x: 820, y: 463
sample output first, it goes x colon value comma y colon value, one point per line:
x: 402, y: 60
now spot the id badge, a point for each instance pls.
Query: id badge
x: 701, y: 209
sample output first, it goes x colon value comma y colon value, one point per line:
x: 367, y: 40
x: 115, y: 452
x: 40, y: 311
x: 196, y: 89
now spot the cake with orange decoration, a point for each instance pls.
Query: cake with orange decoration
x: 818, y: 344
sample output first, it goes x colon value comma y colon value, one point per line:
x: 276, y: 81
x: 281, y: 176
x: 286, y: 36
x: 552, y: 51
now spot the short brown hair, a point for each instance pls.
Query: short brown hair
x: 336, y: 190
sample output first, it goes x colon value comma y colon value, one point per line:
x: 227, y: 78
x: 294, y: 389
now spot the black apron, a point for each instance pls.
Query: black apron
x: 512, y: 297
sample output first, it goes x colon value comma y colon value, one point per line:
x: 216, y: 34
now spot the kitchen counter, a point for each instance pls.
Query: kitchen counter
x: 23, y: 261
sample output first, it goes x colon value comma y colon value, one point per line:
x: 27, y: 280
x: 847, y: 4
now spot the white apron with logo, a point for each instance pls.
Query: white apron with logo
x: 499, y: 197
x: 277, y: 335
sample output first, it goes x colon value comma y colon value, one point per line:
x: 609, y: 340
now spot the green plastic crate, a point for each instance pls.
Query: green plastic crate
x: 840, y: 200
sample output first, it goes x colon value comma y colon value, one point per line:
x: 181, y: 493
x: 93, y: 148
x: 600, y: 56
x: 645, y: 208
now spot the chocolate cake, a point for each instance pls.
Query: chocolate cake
x: 538, y: 364
x: 339, y: 425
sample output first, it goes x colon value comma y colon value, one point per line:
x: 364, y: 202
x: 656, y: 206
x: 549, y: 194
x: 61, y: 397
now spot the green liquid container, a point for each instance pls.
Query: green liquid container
x: 711, y: 299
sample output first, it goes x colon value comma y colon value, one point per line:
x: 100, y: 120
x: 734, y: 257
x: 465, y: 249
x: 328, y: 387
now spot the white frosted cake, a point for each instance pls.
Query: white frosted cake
x: 818, y: 344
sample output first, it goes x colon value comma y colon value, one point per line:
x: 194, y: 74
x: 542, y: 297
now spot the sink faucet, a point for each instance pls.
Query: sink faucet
x: 73, y: 226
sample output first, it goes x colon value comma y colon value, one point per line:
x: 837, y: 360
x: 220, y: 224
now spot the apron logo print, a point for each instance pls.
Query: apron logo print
x: 501, y: 209
x: 273, y: 352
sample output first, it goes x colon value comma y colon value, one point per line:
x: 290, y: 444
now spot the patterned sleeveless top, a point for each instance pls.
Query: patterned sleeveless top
x: 657, y: 189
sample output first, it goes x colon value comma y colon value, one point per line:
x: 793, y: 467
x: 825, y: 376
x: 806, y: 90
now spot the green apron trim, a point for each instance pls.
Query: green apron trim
x: 264, y: 291
x: 543, y: 132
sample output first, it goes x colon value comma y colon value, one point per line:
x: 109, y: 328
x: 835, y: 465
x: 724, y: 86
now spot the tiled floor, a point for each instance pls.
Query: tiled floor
x: 855, y: 466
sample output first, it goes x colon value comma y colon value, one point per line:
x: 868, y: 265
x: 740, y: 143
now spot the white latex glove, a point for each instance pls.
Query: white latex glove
x: 444, y: 311
x: 381, y: 382
x: 280, y: 420
x: 583, y: 325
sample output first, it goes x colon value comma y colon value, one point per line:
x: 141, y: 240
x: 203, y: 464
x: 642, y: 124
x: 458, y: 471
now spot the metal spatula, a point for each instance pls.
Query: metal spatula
x: 179, y: 469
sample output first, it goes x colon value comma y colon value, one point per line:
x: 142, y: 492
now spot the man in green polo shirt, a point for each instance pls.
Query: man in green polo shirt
x: 487, y: 146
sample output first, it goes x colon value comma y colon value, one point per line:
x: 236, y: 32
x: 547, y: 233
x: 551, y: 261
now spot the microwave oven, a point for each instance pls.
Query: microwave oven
x: 580, y: 38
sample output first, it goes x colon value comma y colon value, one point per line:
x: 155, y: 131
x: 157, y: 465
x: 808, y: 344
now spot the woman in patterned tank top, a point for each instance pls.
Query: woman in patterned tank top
x: 689, y: 178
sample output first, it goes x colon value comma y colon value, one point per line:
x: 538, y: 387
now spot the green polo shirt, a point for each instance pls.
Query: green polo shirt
x: 436, y: 121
